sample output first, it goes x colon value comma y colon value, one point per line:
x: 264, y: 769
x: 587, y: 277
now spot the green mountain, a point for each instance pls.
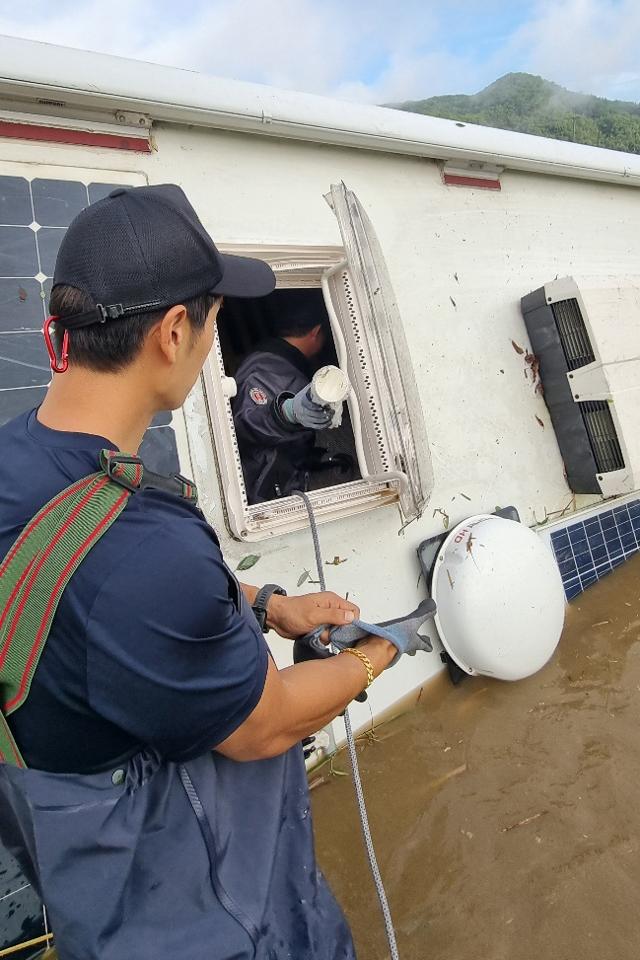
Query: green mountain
x: 529, y: 104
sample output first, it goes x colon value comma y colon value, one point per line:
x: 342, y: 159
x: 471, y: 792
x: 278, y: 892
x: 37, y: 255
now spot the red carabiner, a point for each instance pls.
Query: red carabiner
x: 61, y: 365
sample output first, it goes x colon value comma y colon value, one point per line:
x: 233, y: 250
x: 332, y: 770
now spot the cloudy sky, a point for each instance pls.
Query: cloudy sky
x: 369, y: 50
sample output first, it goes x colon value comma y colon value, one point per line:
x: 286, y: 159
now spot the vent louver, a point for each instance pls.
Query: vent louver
x: 573, y: 333
x: 602, y: 435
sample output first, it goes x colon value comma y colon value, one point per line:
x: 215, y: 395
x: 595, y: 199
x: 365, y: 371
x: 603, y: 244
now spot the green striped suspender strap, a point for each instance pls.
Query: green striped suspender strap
x: 39, y: 565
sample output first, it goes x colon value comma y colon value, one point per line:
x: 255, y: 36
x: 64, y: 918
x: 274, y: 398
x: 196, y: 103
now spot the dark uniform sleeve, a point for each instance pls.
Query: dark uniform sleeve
x: 170, y: 657
x: 263, y: 382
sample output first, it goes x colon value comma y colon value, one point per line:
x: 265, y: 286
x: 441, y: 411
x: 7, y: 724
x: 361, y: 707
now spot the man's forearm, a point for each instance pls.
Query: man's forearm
x: 315, y: 696
x: 299, y: 700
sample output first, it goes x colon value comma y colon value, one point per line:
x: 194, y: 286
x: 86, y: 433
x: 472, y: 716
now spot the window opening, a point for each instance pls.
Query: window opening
x: 252, y: 337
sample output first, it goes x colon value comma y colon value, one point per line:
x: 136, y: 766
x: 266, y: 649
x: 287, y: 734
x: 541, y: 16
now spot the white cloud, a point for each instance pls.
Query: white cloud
x: 586, y: 45
x: 373, y: 51
x: 369, y: 50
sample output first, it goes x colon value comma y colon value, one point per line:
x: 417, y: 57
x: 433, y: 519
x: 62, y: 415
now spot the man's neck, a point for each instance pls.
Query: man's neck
x: 300, y: 343
x: 105, y: 404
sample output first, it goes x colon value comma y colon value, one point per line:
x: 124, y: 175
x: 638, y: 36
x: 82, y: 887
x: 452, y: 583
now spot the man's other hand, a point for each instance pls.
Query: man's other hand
x: 292, y: 617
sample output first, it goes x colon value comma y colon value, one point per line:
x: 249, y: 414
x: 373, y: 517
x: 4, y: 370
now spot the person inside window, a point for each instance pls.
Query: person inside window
x: 275, y: 419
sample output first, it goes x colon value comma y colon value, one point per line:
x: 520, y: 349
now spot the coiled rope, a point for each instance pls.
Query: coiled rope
x: 351, y: 747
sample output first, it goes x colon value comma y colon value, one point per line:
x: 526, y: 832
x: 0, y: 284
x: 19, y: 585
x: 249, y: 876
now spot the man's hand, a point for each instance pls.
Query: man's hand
x: 304, y: 411
x: 292, y: 617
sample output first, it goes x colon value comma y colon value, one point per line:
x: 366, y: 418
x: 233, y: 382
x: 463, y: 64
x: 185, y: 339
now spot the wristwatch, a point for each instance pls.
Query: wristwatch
x: 259, y: 605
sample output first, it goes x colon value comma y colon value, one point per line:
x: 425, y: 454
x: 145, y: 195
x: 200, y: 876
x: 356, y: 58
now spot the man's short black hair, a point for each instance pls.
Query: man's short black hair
x: 295, y: 312
x: 110, y: 346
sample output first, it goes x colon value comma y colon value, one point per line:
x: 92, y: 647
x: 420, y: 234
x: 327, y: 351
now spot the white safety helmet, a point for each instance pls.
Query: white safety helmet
x: 500, y: 598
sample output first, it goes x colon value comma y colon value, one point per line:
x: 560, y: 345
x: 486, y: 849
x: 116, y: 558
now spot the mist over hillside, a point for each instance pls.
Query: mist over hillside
x: 530, y: 104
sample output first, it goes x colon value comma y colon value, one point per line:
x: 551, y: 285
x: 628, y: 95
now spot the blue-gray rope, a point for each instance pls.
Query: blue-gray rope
x: 351, y: 747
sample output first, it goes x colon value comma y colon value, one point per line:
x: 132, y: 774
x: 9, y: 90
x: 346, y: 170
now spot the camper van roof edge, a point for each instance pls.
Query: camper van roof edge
x: 184, y: 96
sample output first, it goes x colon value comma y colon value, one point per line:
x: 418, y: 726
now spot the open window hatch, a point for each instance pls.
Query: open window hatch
x: 379, y: 454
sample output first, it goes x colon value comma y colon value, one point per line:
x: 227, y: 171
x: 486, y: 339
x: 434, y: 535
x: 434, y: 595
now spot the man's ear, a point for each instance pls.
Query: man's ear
x: 316, y: 330
x: 173, y: 332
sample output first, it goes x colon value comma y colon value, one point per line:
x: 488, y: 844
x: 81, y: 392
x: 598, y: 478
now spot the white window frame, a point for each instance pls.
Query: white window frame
x: 384, y: 403
x: 299, y: 267
x: 315, y: 268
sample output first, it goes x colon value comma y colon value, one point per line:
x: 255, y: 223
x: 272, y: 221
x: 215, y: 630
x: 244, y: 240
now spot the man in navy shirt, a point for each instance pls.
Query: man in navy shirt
x: 164, y: 812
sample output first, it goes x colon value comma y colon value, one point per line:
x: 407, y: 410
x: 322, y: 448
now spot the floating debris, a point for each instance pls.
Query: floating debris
x: 517, y: 347
x: 523, y: 823
x: 453, y: 302
x: 457, y: 279
x: 447, y: 776
x: 336, y: 561
x: 303, y: 576
x: 464, y: 495
x: 541, y: 422
x: 22, y: 294
x: 249, y: 561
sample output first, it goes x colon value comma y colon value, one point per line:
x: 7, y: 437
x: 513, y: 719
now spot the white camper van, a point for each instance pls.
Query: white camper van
x: 482, y: 290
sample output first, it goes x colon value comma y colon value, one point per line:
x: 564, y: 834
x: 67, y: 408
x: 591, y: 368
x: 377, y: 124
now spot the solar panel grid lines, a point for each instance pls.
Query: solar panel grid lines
x: 589, y: 549
x: 34, y: 216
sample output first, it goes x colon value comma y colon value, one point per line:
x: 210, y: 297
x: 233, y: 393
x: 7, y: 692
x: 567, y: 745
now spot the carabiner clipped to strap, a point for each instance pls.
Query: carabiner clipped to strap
x: 57, y: 366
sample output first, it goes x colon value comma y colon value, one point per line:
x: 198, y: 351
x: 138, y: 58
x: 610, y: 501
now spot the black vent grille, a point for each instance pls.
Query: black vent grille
x: 573, y: 333
x: 602, y: 435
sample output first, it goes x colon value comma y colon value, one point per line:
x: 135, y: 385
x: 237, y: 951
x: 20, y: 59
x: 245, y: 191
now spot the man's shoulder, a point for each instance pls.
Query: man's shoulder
x: 154, y: 515
x: 263, y: 361
x: 14, y: 429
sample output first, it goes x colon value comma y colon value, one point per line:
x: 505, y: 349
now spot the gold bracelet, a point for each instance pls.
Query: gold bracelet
x: 364, y: 659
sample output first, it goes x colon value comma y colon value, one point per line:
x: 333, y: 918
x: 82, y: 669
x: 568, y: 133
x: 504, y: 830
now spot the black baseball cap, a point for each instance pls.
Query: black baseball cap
x: 143, y: 249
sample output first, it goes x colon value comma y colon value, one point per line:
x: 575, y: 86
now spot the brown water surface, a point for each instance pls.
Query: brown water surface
x: 506, y: 817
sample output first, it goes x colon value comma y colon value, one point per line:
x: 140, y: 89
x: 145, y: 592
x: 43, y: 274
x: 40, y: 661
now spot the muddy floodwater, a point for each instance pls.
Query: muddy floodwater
x: 506, y: 817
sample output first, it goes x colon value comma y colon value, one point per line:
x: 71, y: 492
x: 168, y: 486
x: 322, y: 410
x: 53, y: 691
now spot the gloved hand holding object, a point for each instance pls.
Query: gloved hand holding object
x: 401, y: 632
x: 330, y: 387
x: 303, y: 410
x: 319, y: 406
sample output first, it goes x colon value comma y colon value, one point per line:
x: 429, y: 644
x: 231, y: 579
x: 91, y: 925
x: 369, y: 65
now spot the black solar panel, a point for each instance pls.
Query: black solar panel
x: 33, y: 218
x: 589, y: 549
